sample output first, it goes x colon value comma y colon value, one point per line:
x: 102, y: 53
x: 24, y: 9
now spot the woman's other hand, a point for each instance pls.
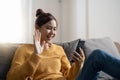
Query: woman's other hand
x: 38, y: 45
x: 78, y: 57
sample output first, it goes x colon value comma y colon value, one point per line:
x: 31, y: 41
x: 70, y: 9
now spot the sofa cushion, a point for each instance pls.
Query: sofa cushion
x: 6, y: 54
x: 105, y: 44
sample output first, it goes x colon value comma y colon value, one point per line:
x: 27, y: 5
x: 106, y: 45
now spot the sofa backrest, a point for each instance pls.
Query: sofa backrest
x: 6, y: 54
x: 7, y: 51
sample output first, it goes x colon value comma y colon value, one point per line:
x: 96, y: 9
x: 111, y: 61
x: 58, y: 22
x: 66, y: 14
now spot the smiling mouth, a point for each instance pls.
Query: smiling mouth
x: 49, y: 37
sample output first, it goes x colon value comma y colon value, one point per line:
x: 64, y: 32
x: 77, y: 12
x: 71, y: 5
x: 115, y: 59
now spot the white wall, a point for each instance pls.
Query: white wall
x: 73, y: 20
x: 76, y: 18
x: 104, y: 19
x: 11, y: 22
x: 90, y: 19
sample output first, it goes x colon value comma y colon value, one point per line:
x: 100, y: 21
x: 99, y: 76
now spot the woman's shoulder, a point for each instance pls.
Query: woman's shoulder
x: 25, y: 46
x: 57, y: 46
x: 25, y: 49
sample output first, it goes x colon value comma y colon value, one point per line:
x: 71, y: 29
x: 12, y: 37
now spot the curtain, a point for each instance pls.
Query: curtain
x: 14, y: 21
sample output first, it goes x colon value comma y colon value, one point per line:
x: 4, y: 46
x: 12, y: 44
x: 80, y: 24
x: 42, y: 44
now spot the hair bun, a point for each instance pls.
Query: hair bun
x: 39, y: 12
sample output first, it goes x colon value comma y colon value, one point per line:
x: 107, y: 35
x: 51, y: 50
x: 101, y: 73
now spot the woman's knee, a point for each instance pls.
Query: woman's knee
x: 98, y: 53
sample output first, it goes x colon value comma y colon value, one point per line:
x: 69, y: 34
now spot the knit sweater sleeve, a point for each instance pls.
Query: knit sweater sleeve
x: 23, y: 67
x: 74, y: 71
x: 70, y: 72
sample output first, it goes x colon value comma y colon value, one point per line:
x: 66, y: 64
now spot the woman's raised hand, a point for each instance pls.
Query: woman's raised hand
x: 38, y: 45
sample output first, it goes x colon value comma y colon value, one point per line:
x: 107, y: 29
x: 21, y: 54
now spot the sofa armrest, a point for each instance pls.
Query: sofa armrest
x: 118, y: 46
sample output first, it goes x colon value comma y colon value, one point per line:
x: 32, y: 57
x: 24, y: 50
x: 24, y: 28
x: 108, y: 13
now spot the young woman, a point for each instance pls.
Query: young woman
x: 44, y: 60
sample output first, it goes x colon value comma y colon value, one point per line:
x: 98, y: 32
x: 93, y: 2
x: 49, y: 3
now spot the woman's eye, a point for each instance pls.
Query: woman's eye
x: 49, y: 28
x: 54, y: 29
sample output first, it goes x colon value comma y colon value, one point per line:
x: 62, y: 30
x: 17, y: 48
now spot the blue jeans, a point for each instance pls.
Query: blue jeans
x: 99, y: 61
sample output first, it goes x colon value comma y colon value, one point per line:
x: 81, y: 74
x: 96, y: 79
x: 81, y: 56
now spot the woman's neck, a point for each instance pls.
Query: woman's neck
x: 47, y: 45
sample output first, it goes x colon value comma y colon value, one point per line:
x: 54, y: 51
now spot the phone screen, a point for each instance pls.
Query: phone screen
x: 78, y: 50
x: 80, y: 45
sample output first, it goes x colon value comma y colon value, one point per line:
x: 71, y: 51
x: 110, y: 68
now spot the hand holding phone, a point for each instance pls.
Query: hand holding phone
x: 78, y: 55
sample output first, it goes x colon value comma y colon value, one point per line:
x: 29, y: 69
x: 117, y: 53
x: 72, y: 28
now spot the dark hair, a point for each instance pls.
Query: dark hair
x: 43, y: 18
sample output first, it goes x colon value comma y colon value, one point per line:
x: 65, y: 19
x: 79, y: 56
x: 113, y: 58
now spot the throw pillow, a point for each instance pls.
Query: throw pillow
x: 105, y: 44
x: 69, y: 47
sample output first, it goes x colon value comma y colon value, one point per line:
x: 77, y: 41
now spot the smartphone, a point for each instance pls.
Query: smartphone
x: 77, y: 50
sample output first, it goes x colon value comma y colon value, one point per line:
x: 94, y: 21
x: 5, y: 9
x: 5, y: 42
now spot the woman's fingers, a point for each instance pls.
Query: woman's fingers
x: 75, y: 57
x: 78, y: 56
x: 37, y: 42
x: 37, y: 35
x: 82, y: 53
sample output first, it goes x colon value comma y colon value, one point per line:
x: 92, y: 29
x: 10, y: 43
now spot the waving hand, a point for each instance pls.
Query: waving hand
x: 38, y: 45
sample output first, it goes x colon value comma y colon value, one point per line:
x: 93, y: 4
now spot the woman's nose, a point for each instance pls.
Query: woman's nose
x: 52, y: 31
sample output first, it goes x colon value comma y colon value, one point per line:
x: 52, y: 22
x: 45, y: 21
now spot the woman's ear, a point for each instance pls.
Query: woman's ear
x: 36, y: 26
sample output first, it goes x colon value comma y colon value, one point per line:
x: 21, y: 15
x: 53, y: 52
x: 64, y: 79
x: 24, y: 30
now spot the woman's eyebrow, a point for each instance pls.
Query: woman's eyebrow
x: 51, y: 26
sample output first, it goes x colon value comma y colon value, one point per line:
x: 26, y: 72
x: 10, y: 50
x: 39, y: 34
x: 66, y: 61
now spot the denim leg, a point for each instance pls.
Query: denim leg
x: 97, y: 61
x: 111, y: 66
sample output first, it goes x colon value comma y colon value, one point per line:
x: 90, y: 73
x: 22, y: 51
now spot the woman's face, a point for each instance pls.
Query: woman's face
x: 48, y: 31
